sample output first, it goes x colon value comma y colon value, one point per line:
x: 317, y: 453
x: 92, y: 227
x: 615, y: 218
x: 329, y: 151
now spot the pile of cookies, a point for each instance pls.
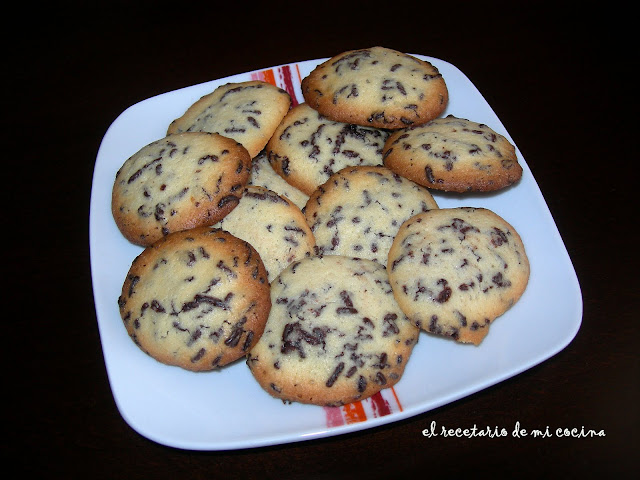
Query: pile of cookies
x: 305, y: 238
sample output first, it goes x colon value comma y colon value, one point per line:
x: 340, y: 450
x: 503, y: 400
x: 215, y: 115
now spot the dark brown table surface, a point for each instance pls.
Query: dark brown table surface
x: 553, y: 77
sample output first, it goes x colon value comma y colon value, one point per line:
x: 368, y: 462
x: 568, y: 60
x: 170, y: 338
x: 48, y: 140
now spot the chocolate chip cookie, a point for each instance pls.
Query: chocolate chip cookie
x: 453, y: 154
x: 197, y: 299
x: 273, y: 225
x: 247, y: 112
x: 335, y: 333
x: 359, y: 210
x: 454, y: 270
x: 179, y: 182
x: 376, y: 87
x: 263, y: 174
x: 306, y: 148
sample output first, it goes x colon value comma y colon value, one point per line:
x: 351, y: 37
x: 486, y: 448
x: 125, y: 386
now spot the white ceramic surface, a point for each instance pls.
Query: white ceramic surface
x: 227, y: 409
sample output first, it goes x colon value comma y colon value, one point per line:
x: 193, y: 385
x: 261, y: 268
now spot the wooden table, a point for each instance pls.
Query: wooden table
x: 549, y: 76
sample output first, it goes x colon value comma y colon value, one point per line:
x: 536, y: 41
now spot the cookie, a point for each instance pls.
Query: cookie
x: 273, y: 225
x: 197, y: 299
x: 306, y: 148
x: 179, y: 182
x: 455, y: 270
x: 453, y: 154
x: 247, y: 112
x: 263, y: 174
x: 335, y: 333
x: 376, y: 87
x: 359, y: 210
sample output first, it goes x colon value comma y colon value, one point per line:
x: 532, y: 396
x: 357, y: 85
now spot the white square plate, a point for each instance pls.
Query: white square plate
x: 227, y: 409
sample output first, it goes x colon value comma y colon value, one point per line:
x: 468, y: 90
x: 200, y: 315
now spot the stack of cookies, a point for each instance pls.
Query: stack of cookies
x: 306, y: 239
